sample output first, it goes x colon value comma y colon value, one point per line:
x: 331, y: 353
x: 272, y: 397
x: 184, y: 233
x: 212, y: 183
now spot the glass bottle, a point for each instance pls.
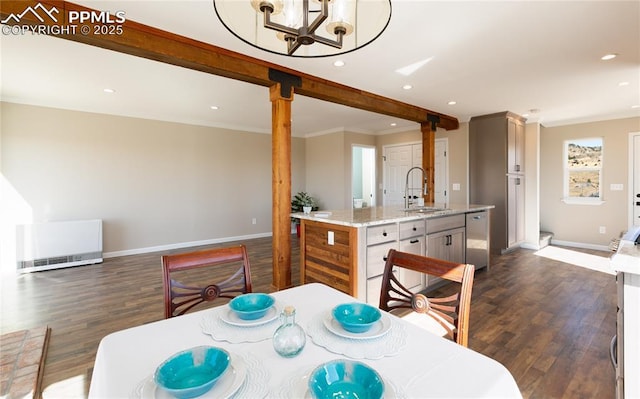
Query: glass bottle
x: 289, y: 338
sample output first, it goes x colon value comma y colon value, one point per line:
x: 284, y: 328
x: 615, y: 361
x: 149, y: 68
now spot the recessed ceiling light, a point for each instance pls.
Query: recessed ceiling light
x: 635, y: 106
x: 407, y: 87
x: 393, y: 124
x: 109, y: 91
x: 338, y: 63
x: 452, y: 103
x: 608, y: 57
x: 214, y: 107
x: 621, y: 84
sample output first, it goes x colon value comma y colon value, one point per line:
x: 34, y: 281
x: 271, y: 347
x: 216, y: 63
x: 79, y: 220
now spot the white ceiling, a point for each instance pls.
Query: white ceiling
x: 488, y: 56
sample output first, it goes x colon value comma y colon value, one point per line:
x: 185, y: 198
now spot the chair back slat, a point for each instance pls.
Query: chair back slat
x: 453, y: 309
x: 191, y: 294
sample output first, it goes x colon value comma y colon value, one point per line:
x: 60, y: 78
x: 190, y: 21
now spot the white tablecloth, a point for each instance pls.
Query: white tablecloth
x: 424, y: 366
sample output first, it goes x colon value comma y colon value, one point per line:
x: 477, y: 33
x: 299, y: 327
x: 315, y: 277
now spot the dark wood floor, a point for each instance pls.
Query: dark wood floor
x: 548, y: 322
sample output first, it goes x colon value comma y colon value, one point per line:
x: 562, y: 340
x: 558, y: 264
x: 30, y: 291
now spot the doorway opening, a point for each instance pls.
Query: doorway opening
x: 363, y: 176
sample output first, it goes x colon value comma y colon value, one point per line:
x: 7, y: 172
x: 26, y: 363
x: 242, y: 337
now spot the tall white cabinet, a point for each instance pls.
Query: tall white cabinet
x: 626, y: 262
x: 496, y: 174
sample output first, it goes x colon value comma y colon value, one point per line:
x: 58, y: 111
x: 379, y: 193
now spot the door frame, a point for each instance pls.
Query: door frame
x: 631, y: 181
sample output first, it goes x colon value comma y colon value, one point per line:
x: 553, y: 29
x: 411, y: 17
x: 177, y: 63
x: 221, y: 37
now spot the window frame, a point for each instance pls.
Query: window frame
x: 567, y: 198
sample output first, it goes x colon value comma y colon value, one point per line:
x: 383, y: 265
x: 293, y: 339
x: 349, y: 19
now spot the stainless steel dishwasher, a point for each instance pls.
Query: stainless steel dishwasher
x: 478, y: 239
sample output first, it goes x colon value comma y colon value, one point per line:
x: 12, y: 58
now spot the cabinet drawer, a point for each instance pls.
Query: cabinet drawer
x: 376, y: 258
x: 412, y: 228
x: 382, y: 233
x: 445, y: 223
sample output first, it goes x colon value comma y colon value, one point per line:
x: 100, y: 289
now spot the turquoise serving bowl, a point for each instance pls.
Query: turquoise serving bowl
x: 192, y: 372
x: 346, y: 379
x: 356, y: 317
x: 251, y: 306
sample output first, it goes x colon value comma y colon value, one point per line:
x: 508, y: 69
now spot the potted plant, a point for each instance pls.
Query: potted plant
x: 302, y: 202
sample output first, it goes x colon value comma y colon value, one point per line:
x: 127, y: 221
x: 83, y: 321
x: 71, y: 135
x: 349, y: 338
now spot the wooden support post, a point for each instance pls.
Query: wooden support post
x: 428, y: 157
x: 281, y: 184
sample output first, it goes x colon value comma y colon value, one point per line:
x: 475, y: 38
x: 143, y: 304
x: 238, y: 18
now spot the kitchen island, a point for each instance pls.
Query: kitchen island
x: 347, y: 249
x: 625, y: 348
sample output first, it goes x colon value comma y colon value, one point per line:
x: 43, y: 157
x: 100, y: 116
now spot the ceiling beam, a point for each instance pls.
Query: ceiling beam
x: 158, y: 45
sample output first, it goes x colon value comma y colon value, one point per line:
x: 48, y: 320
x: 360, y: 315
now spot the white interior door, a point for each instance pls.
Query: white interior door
x: 441, y: 171
x: 399, y: 159
x: 396, y: 162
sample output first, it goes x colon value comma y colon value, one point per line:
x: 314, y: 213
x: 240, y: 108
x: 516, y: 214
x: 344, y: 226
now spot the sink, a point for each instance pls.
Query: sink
x: 424, y: 209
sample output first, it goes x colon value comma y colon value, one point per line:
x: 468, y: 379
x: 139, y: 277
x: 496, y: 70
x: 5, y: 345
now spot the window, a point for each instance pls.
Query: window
x: 583, y: 171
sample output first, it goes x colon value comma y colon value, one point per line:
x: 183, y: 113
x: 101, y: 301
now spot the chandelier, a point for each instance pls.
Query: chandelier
x: 305, y: 28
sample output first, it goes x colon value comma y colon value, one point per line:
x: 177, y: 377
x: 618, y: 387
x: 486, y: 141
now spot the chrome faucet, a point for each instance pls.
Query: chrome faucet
x: 406, y: 185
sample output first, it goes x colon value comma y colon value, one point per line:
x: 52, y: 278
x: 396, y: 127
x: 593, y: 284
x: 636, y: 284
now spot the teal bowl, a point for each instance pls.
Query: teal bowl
x: 345, y: 379
x: 356, y: 317
x: 251, y: 306
x: 192, y: 372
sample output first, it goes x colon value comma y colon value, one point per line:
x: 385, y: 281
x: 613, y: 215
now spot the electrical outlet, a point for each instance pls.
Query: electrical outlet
x: 456, y: 187
x: 616, y: 187
x: 254, y: 221
x: 330, y: 238
x: 603, y: 230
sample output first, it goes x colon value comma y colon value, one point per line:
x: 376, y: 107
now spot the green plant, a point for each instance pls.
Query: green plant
x: 301, y: 200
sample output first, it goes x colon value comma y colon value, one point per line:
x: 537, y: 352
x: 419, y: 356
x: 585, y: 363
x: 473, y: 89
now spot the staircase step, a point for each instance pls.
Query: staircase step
x: 545, y: 238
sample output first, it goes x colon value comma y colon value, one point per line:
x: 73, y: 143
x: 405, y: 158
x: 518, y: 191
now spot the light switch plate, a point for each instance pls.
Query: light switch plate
x: 616, y: 187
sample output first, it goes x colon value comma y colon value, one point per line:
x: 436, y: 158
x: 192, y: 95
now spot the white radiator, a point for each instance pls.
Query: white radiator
x: 44, y: 246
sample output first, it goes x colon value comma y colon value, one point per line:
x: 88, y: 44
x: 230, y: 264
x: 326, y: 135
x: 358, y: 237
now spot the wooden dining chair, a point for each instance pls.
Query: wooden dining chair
x: 180, y: 297
x: 446, y: 316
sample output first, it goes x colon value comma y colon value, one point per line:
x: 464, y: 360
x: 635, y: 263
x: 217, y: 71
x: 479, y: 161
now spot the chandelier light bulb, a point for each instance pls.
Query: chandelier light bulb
x: 261, y: 6
x: 292, y: 12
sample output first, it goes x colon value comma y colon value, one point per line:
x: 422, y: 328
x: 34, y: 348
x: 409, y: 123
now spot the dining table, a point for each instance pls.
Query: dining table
x: 412, y: 363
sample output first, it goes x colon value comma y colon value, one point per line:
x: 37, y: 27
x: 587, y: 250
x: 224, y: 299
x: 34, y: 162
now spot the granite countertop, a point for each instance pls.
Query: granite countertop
x: 627, y: 258
x: 371, y: 216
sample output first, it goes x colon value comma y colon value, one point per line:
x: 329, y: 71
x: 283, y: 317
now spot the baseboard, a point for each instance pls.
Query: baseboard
x: 527, y: 245
x: 580, y: 245
x: 168, y: 247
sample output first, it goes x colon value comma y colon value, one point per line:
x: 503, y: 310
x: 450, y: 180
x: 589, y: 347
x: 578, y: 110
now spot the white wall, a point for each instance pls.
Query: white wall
x: 154, y: 184
x: 573, y: 223
x: 158, y: 184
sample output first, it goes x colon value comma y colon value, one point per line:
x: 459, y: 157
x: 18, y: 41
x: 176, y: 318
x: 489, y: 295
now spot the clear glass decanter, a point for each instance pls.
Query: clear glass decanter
x: 289, y: 338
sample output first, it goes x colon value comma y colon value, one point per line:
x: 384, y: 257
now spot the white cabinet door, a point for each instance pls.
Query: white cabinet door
x: 410, y: 279
x: 436, y: 248
x: 457, y: 245
x: 515, y: 146
x: 515, y: 210
x: 376, y: 258
x: 447, y: 245
x: 374, y: 286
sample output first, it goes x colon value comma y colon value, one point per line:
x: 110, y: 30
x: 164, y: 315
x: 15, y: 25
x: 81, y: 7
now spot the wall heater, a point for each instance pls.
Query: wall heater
x: 44, y: 246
